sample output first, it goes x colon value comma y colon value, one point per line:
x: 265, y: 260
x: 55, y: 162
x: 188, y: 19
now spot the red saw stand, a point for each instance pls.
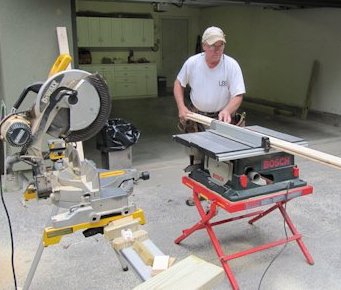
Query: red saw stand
x: 278, y: 199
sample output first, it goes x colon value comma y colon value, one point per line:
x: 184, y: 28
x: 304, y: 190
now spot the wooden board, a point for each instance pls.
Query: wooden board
x: 190, y: 273
x: 63, y: 42
x: 63, y: 45
x: 281, y: 145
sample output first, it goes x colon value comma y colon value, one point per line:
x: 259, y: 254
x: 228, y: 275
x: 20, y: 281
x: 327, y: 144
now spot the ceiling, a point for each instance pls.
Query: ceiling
x: 266, y: 3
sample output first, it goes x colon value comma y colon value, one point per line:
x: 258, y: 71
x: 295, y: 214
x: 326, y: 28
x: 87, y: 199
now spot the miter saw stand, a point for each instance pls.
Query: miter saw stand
x: 240, y: 172
x: 109, y: 201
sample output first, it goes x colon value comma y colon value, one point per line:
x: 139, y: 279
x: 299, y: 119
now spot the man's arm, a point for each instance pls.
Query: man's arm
x: 230, y: 109
x: 179, y: 95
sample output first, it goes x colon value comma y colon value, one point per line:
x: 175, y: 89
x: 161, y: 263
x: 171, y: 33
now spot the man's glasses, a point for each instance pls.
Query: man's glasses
x: 216, y: 46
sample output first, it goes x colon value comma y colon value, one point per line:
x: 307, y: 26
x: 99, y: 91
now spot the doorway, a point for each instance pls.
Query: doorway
x: 174, y: 34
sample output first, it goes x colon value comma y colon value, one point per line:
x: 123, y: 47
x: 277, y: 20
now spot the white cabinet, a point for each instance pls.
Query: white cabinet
x: 100, y: 31
x: 148, y: 32
x: 83, y: 31
x: 94, y: 32
x: 124, y: 83
x: 115, y: 32
x: 127, y: 80
x: 105, y: 31
x: 137, y: 32
x: 151, y: 80
x: 106, y: 71
x: 133, y: 80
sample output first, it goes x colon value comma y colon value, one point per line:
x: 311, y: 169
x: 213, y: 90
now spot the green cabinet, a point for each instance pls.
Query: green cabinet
x: 115, y: 32
x: 83, y: 31
x: 128, y: 80
x: 135, y: 80
x: 137, y: 32
x: 98, y: 31
x: 106, y: 71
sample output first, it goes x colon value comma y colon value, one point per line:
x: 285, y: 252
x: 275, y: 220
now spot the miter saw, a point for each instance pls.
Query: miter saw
x: 73, y: 106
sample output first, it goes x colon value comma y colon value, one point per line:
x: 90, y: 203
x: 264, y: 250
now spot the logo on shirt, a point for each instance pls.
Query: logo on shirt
x: 222, y: 83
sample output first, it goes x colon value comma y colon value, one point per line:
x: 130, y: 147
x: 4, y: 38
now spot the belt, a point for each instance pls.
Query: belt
x: 213, y: 115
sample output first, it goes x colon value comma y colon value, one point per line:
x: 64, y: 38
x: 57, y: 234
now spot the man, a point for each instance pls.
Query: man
x: 216, y: 83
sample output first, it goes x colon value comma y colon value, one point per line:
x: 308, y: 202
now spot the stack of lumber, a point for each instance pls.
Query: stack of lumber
x: 158, y: 270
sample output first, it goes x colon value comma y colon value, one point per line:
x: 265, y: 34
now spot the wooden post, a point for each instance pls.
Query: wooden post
x: 63, y: 45
x: 313, y: 78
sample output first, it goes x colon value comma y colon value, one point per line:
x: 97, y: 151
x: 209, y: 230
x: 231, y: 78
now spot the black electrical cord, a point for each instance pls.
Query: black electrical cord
x: 285, y: 245
x: 11, y: 234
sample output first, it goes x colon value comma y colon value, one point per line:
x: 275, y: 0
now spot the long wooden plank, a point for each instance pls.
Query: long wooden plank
x: 63, y: 45
x: 311, y: 154
x: 190, y: 273
x: 312, y: 82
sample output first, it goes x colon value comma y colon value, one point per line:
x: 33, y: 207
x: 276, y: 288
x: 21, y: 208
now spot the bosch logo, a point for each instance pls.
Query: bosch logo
x: 276, y: 162
x: 218, y: 177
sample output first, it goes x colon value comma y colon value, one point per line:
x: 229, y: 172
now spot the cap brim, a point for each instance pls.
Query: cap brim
x: 214, y: 39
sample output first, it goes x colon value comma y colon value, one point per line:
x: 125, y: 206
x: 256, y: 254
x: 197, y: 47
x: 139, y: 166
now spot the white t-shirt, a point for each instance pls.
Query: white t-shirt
x: 212, y: 88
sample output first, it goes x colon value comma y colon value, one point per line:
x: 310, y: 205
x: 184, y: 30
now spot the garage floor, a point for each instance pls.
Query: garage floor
x: 90, y: 263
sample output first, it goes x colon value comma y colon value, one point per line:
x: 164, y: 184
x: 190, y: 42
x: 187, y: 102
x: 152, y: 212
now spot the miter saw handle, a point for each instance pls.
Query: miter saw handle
x: 32, y: 88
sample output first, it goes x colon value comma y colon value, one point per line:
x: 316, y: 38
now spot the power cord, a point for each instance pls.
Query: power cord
x: 11, y: 234
x: 285, y: 245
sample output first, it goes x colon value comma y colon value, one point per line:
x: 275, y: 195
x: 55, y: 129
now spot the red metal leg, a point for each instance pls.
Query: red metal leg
x: 263, y: 214
x: 295, y: 232
x: 205, y: 223
x: 204, y: 218
x: 220, y: 253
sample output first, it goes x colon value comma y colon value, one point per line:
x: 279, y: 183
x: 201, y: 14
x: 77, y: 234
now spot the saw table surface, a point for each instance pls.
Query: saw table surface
x: 222, y: 146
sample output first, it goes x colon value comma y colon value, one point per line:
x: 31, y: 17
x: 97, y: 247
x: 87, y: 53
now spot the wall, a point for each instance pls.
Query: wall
x: 276, y: 49
x: 28, y: 42
x: 192, y: 14
x: 29, y: 47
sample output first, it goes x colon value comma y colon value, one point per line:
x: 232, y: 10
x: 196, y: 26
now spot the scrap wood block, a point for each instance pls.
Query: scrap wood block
x: 190, y: 273
x: 121, y: 221
x: 121, y: 243
x: 145, y: 254
x: 113, y: 230
x: 161, y: 263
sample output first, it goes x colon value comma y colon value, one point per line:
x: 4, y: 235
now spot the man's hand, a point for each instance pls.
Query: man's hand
x: 225, y: 116
x: 231, y: 108
x: 183, y: 111
x: 178, y: 91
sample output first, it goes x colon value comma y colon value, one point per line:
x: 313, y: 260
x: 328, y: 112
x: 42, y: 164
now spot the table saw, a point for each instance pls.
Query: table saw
x: 238, y: 163
x: 236, y: 169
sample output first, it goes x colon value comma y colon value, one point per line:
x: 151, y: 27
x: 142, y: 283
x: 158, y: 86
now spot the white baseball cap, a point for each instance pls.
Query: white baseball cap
x: 212, y: 35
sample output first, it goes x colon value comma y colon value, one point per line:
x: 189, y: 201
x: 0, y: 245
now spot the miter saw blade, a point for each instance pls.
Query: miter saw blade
x: 103, y: 114
x: 83, y: 118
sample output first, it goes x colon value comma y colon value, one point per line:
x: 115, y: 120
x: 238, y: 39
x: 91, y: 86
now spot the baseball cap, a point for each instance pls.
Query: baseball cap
x: 212, y: 35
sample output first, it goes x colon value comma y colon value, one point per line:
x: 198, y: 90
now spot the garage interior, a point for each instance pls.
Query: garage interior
x: 289, y: 52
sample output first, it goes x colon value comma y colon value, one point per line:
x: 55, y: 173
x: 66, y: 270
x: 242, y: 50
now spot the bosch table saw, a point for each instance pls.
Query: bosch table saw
x: 238, y: 163
x: 238, y: 170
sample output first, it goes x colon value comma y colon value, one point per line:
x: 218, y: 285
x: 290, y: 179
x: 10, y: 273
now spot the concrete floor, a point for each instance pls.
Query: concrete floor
x: 90, y: 263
